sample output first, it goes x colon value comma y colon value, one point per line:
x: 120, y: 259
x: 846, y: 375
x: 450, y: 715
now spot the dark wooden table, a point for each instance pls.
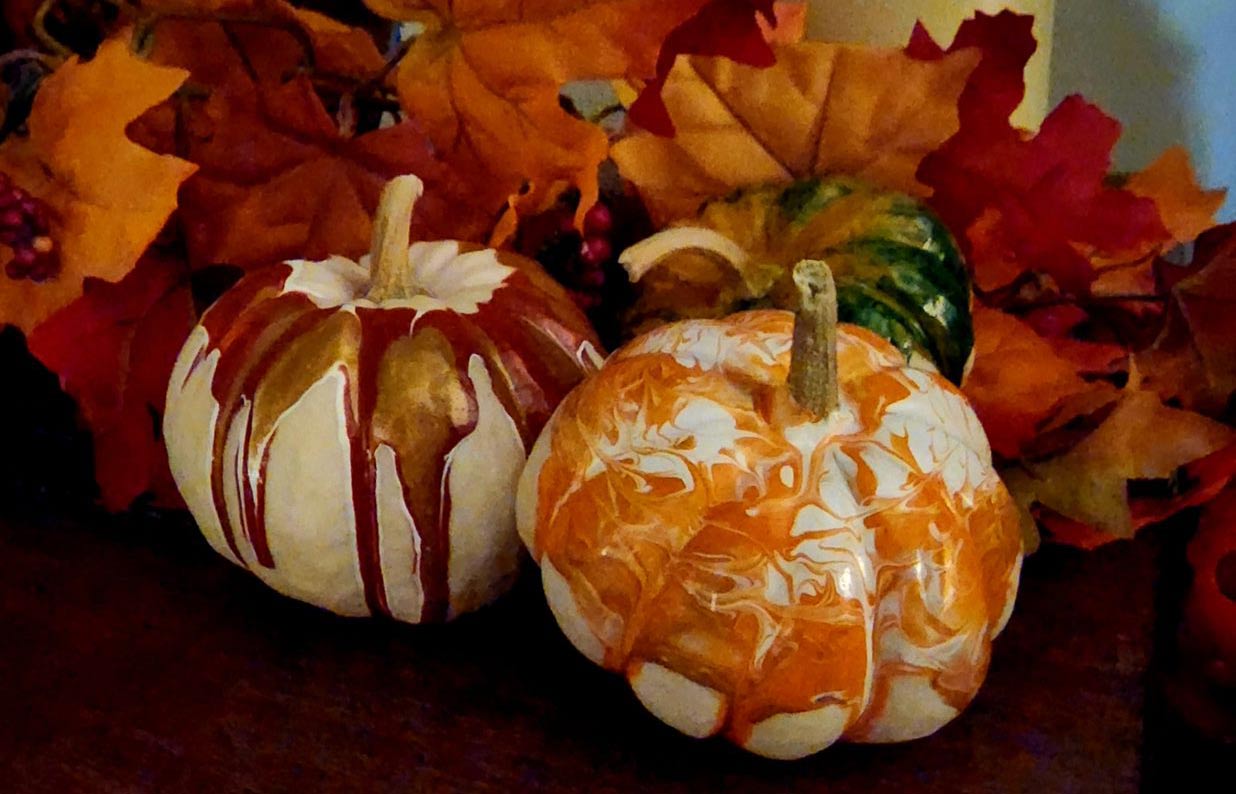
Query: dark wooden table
x: 132, y: 659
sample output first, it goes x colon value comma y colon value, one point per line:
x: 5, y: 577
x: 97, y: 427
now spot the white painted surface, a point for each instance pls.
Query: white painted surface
x: 310, y: 520
x: 399, y: 541
x: 789, y: 736
x: 189, y: 430
x: 694, y: 709
x: 482, y: 471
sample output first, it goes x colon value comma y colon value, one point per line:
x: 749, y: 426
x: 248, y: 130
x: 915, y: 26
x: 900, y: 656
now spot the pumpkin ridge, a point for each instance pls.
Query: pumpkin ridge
x: 327, y: 426
x: 825, y: 579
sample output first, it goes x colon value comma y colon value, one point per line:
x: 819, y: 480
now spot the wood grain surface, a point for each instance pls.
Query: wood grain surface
x: 134, y: 659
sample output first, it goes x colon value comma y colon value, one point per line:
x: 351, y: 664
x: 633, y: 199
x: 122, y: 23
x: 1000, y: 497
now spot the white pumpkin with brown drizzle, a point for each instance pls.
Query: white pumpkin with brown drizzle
x: 352, y: 432
x: 775, y: 529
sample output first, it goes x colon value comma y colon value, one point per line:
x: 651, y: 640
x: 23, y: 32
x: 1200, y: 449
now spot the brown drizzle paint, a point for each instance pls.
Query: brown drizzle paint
x: 408, y: 390
x: 457, y: 342
x: 379, y: 329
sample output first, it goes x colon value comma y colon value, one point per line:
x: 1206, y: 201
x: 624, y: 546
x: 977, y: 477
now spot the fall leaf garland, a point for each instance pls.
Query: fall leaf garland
x: 1068, y: 275
x: 239, y: 124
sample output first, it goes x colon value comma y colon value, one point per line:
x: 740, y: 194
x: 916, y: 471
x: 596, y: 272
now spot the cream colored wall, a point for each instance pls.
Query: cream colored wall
x: 1166, y: 68
x: 890, y: 22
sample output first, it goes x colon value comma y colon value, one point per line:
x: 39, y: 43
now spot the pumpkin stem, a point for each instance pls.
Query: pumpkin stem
x: 388, y: 265
x: 813, y: 357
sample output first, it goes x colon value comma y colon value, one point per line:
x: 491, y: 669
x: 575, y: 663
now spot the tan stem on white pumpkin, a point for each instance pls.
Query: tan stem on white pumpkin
x: 813, y: 356
x: 388, y: 264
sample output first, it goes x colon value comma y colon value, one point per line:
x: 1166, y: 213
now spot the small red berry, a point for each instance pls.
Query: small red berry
x: 595, y: 251
x: 598, y: 220
x: 24, y: 257
x: 12, y: 219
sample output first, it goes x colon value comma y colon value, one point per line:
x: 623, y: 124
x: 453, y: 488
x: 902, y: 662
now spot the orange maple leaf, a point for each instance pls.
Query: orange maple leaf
x: 109, y: 197
x: 483, y: 79
x: 1186, y: 209
x: 279, y: 179
x: 870, y: 112
x: 1016, y: 380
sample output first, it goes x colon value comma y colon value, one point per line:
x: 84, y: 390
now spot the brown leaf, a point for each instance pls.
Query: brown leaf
x: 870, y: 112
x: 109, y: 197
x: 1194, y: 359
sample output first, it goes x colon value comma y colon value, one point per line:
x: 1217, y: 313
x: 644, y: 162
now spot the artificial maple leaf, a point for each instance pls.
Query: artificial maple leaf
x: 1016, y: 381
x: 823, y: 107
x: 483, y: 80
x: 108, y: 196
x: 278, y: 179
x: 1025, y: 203
x: 734, y: 29
x: 113, y: 349
x: 1185, y: 208
x: 334, y: 48
x: 1196, y: 483
x: 1140, y: 440
x: 997, y: 85
x: 1194, y: 359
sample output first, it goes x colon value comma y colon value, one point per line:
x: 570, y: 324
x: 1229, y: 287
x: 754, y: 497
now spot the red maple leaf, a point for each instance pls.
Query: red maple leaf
x: 113, y: 348
x: 1023, y: 203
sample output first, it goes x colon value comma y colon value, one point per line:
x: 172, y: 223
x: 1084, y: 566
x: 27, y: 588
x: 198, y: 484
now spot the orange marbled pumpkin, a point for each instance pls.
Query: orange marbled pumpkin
x: 757, y: 571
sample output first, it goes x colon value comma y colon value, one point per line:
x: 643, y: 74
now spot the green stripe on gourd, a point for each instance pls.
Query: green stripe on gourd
x: 898, y: 270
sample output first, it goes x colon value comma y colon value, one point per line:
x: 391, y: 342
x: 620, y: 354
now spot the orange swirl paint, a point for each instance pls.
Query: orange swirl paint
x: 785, y: 581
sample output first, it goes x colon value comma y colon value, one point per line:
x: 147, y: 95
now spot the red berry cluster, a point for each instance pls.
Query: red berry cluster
x: 24, y: 228
x: 577, y: 261
x: 586, y: 262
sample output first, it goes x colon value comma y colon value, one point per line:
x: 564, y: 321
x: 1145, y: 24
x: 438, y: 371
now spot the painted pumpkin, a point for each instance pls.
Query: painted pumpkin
x: 897, y: 268
x: 760, y: 563
x: 352, y: 433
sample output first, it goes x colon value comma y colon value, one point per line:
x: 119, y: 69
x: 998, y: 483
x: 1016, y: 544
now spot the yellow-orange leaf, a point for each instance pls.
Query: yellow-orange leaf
x: 1141, y: 439
x: 109, y: 197
x: 1185, y: 208
x: 823, y: 107
x: 483, y: 80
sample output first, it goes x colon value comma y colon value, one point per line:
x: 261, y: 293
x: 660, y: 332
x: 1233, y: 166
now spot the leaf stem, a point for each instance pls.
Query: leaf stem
x: 39, y: 26
x: 813, y: 356
x: 388, y: 266
x: 48, y: 62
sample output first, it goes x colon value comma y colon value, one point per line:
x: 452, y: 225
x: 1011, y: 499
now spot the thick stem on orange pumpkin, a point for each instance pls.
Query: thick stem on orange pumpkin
x: 388, y: 265
x: 813, y: 357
